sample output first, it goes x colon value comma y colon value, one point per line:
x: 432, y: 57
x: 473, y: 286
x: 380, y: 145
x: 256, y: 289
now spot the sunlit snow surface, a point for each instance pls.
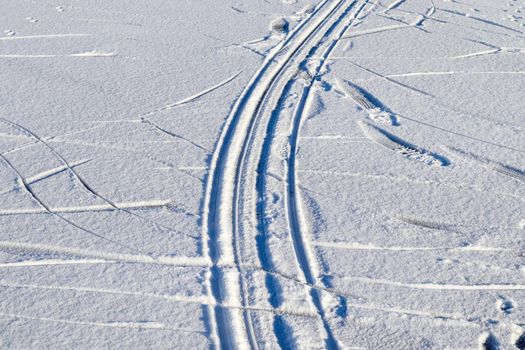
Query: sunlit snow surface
x: 261, y: 174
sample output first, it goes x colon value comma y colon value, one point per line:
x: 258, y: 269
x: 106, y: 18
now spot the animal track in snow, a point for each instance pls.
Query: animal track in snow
x: 398, y: 145
x: 376, y: 111
x: 9, y: 32
x: 32, y: 19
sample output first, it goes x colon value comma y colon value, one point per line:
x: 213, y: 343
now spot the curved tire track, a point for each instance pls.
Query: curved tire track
x: 220, y: 221
x: 278, y: 91
x: 298, y: 226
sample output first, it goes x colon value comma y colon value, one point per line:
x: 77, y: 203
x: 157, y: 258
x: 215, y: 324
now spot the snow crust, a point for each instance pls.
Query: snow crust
x: 304, y: 174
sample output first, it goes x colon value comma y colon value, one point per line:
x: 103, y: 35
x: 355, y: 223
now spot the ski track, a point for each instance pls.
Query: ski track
x: 222, y: 331
x: 482, y: 20
x: 439, y: 286
x: 54, y: 262
x: 83, y: 184
x: 139, y: 325
x: 394, y: 5
x: 47, y: 174
x: 88, y: 208
x: 171, y: 134
x: 35, y: 199
x: 191, y: 98
x: 495, y: 166
x: 44, y: 36
x: 434, y: 9
x: 371, y: 247
x: 262, y: 171
x: 304, y: 254
x: 206, y: 301
x: 228, y: 311
x: 224, y: 186
x: 80, y: 54
x: 107, y: 256
x: 412, y: 180
x: 184, y: 299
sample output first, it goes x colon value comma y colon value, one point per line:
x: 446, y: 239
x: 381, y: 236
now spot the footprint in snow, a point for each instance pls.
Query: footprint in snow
x: 376, y: 110
x: 279, y: 26
x: 489, y: 342
x: 408, y: 150
x: 520, y: 343
x: 505, y: 305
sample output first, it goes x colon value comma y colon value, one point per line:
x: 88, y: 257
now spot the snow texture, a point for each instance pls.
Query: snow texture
x: 295, y: 174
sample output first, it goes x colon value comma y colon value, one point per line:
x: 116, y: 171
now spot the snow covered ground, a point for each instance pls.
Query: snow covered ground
x: 310, y: 174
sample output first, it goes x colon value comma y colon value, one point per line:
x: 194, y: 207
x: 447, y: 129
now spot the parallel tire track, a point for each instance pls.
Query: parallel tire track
x: 217, y: 217
x: 275, y: 96
x: 304, y: 263
x: 220, y: 222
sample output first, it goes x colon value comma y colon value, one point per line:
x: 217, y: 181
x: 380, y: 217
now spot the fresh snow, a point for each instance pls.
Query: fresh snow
x: 296, y: 174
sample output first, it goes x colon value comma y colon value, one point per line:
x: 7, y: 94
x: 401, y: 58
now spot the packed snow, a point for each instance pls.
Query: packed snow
x: 295, y: 174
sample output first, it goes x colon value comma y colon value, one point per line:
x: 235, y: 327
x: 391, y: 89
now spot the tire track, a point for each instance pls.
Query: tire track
x: 279, y: 100
x: 272, y: 282
x: 298, y: 225
x: 222, y: 202
x: 221, y: 213
x: 274, y: 96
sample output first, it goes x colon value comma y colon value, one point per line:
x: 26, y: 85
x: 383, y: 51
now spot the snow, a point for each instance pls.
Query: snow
x: 310, y: 174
